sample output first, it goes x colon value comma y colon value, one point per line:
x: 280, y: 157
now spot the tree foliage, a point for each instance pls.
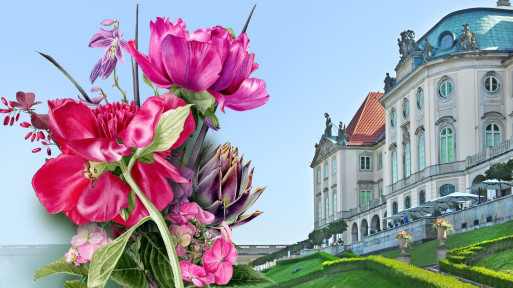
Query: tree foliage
x: 501, y: 171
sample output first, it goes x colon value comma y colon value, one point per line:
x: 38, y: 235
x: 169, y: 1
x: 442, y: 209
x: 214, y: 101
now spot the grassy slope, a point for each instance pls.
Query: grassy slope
x: 284, y: 273
x: 352, y: 279
x: 501, y: 261
x: 426, y: 253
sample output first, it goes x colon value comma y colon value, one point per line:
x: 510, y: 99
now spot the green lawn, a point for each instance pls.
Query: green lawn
x: 284, y: 273
x: 352, y: 279
x: 500, y: 261
x: 426, y: 253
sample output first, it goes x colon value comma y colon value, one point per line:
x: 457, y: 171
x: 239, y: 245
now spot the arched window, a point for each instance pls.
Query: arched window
x: 421, y: 155
x: 407, y: 202
x: 447, y: 189
x: 318, y: 175
x: 407, y: 160
x: 334, y: 204
x: 422, y: 197
x: 445, y: 88
x: 406, y: 108
x: 394, y: 208
x: 420, y: 98
x: 394, y: 166
x: 393, y: 117
x: 492, y: 134
x: 446, y: 145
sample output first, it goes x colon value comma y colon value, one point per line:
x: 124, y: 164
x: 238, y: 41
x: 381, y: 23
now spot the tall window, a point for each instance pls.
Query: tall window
x: 318, y: 175
x: 319, y: 209
x: 395, y: 208
x: 334, y: 166
x: 326, y: 170
x: 392, y: 117
x: 407, y: 160
x: 394, y: 166
x: 334, y: 205
x: 420, y: 98
x: 447, y: 189
x: 326, y: 207
x: 422, y: 197
x: 407, y: 202
x: 365, y: 196
x: 492, y: 134
x: 422, y: 155
x: 365, y: 163
x: 446, y: 145
x: 380, y: 160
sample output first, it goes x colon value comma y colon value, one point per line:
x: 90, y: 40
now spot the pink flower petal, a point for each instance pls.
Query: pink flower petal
x: 99, y: 149
x: 71, y: 120
x: 59, y: 183
x: 103, y: 200
x: 153, y: 73
x: 192, y: 65
x: 141, y: 129
x: 251, y: 94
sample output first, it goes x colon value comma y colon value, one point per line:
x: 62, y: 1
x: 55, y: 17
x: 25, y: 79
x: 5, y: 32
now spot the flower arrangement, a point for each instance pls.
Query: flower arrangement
x: 443, y: 223
x: 404, y: 235
x: 141, y: 203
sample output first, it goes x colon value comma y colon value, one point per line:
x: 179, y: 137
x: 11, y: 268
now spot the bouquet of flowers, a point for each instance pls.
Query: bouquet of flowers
x: 150, y: 213
x: 443, y: 223
x: 404, y: 235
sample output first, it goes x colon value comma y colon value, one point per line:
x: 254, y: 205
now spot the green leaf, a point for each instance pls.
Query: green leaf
x: 202, y: 100
x: 243, y: 275
x: 104, y: 260
x: 75, y: 284
x: 154, y: 257
x: 231, y: 32
x: 212, y: 115
x: 128, y: 274
x: 125, y: 212
x: 61, y: 266
x: 168, y: 130
x: 148, y: 81
x: 176, y: 90
x: 148, y: 158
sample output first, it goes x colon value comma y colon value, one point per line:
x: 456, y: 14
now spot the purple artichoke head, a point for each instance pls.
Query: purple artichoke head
x: 222, y: 186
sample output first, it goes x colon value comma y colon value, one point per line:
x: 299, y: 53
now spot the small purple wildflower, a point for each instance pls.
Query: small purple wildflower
x: 111, y: 40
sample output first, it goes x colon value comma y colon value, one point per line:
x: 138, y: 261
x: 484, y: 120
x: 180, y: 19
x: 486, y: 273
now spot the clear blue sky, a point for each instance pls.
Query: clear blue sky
x: 315, y: 56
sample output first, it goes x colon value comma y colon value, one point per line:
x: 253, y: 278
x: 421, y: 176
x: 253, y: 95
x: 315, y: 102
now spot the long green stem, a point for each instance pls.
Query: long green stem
x: 157, y: 218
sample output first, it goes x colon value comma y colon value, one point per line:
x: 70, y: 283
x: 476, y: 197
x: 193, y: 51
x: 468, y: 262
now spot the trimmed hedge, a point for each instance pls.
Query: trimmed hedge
x: 322, y: 255
x: 350, y: 255
x: 459, y: 262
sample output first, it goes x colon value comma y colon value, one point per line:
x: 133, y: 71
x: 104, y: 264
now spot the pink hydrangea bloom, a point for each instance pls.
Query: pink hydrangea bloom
x: 190, y: 210
x: 89, y: 238
x: 182, y: 236
x: 219, y: 260
x: 195, y: 274
x: 72, y: 256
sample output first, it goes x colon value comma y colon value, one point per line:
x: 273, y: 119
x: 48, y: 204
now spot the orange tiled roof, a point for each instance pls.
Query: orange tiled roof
x: 368, y: 124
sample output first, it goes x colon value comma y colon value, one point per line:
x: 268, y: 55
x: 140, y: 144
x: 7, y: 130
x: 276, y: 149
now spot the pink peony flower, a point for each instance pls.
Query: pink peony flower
x: 195, y: 274
x: 219, y: 260
x: 65, y: 183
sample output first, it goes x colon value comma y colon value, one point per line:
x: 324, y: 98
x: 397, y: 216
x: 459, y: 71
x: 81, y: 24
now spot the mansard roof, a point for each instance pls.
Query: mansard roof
x: 368, y: 124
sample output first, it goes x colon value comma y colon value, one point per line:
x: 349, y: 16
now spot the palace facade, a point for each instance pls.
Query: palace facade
x: 442, y: 121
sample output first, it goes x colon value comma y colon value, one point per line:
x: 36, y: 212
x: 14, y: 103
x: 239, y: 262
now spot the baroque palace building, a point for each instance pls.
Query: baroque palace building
x: 442, y: 121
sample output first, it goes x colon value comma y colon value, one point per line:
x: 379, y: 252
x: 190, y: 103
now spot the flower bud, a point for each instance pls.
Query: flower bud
x: 49, y: 151
x: 40, y: 135
x: 18, y: 117
x: 24, y: 124
x: 4, y: 101
x: 6, y: 120
x: 12, y: 121
x: 36, y: 150
x: 5, y: 111
x: 108, y: 22
x: 28, y: 135
x: 33, y: 137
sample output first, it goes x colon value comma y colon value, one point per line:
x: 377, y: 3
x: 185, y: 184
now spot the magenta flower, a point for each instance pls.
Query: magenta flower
x: 219, y: 260
x: 176, y: 58
x: 195, y: 274
x: 112, y: 42
x: 190, y: 210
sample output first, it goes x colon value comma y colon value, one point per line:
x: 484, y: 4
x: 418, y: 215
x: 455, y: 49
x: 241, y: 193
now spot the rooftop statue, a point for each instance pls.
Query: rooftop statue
x: 467, y: 39
x: 327, y: 131
x: 341, y: 137
x: 406, y: 43
x: 428, y: 50
x: 389, y: 82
